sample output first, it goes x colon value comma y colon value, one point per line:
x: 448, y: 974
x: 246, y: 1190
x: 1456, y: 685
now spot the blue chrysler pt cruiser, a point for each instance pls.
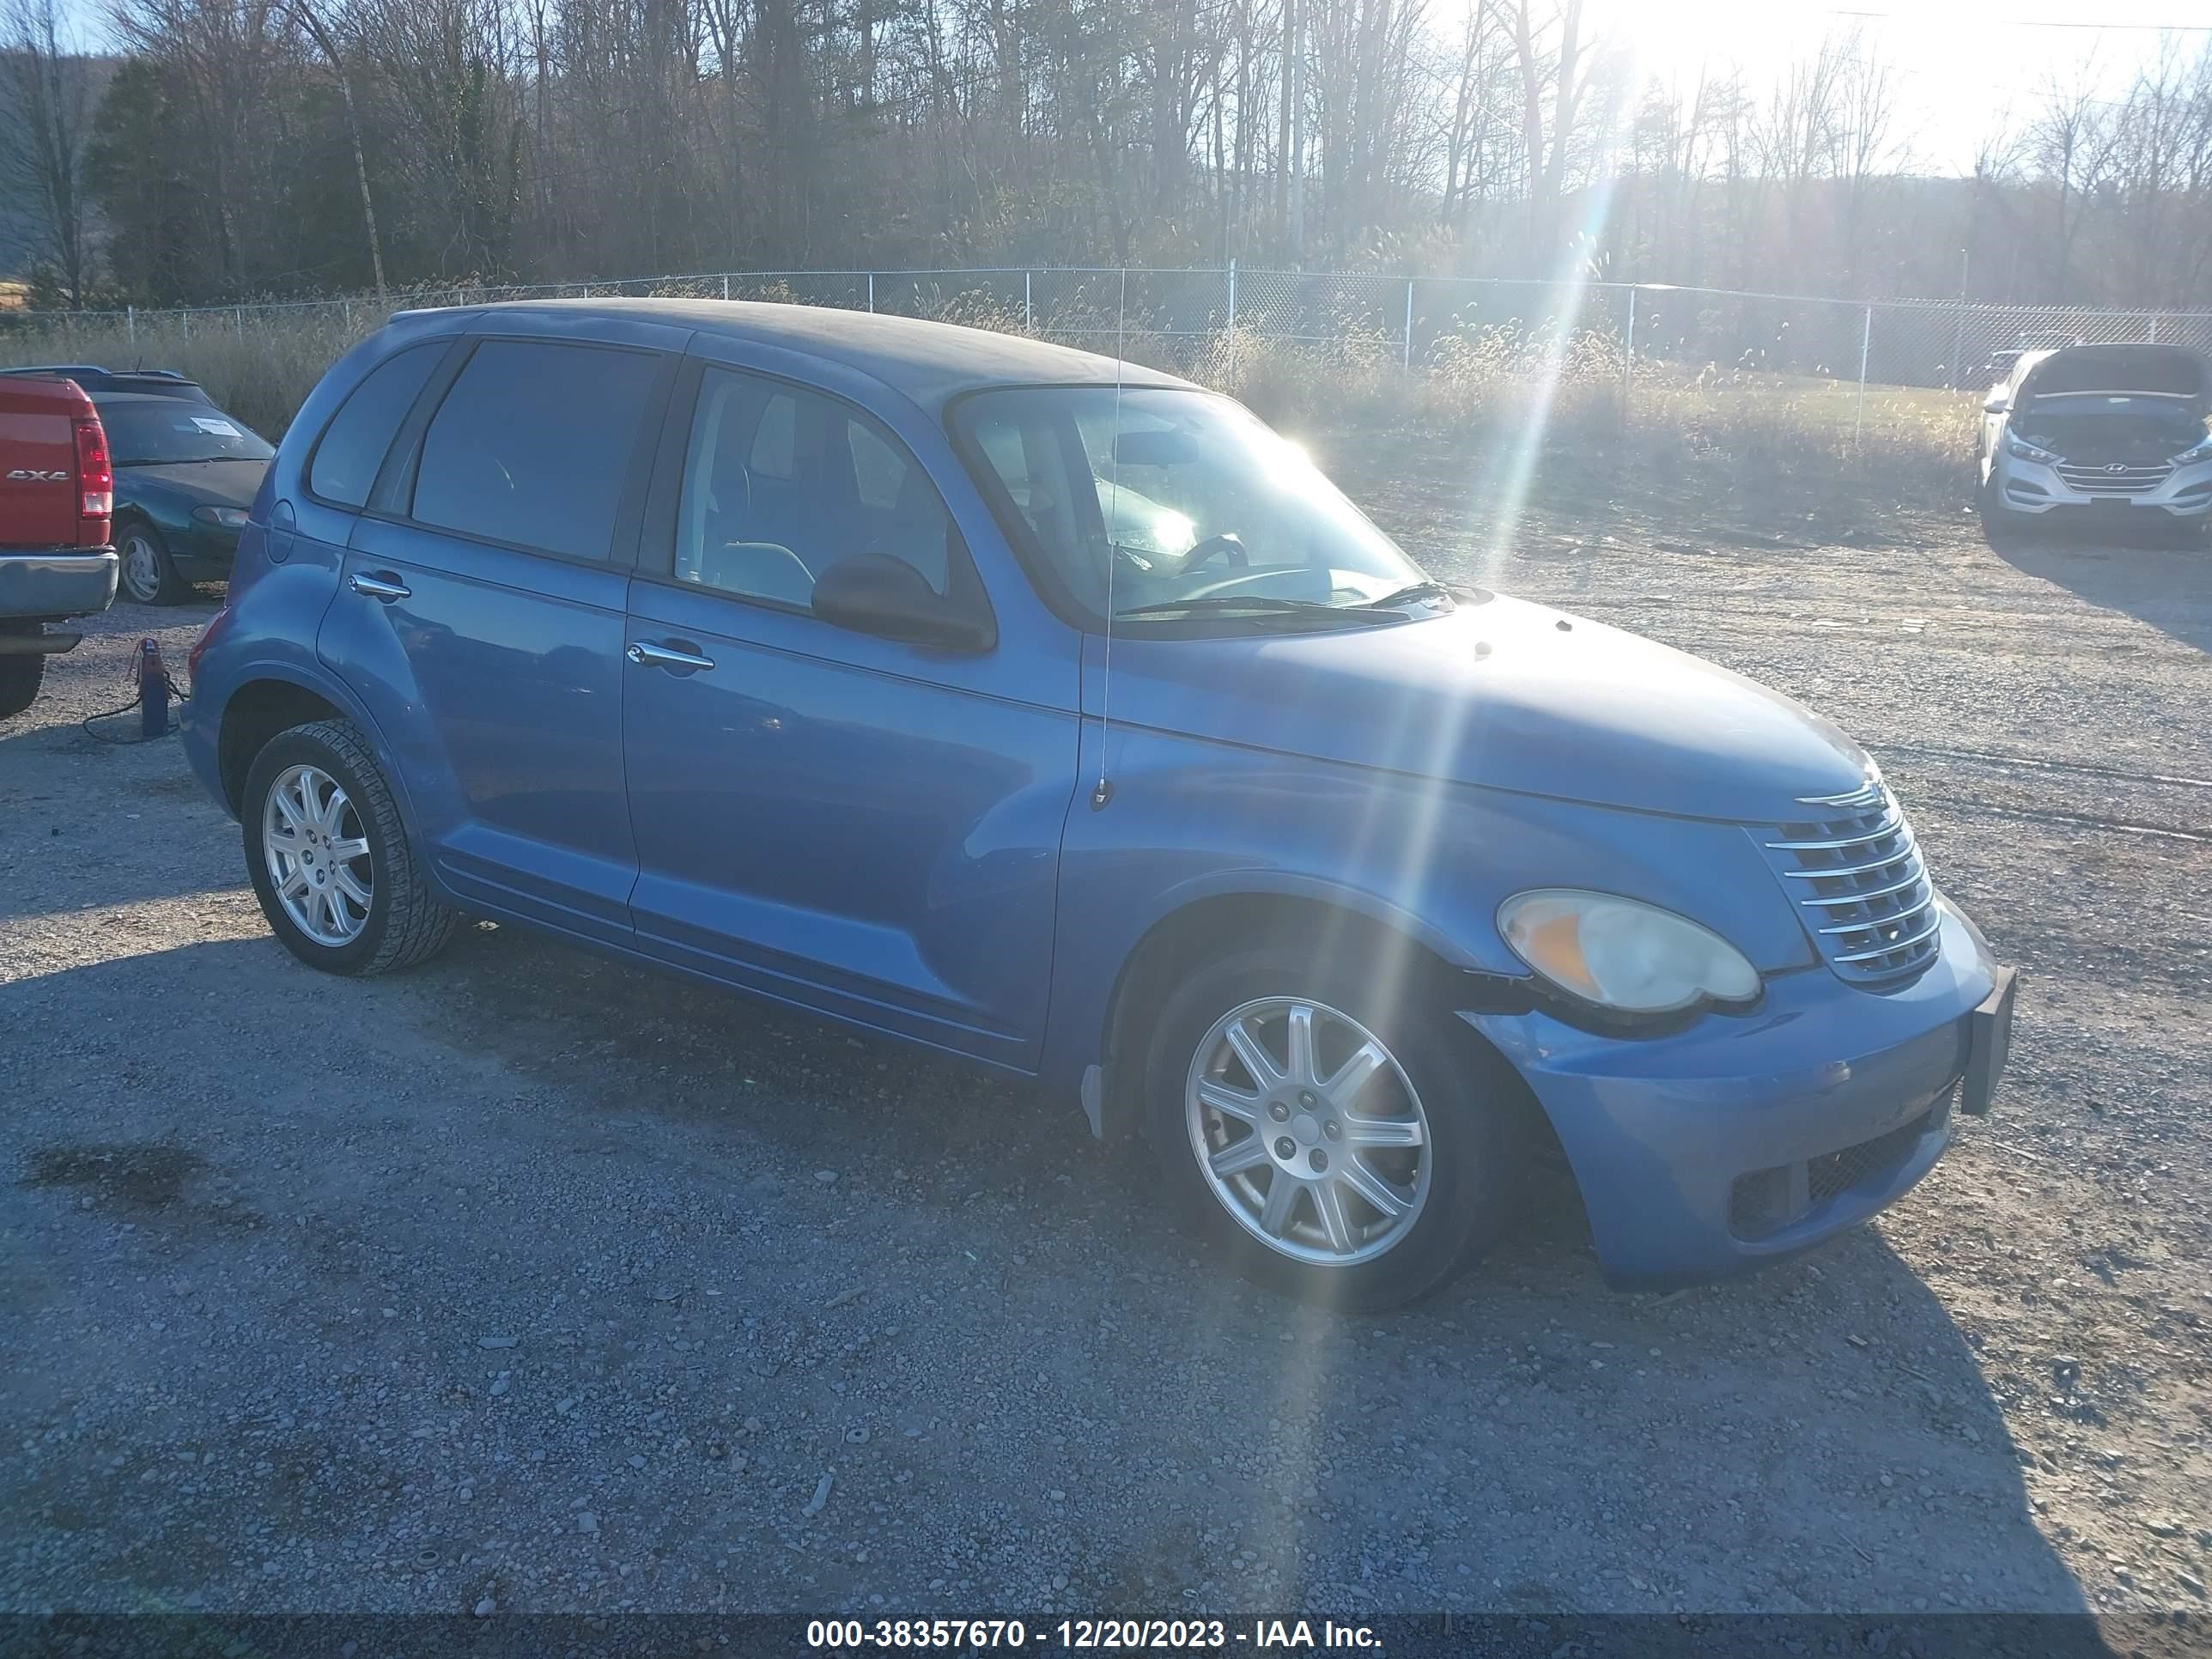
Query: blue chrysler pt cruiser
x: 1058, y: 714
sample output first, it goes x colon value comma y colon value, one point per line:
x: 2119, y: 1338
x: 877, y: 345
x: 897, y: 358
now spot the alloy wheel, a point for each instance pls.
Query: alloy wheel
x: 317, y: 856
x: 1308, y: 1131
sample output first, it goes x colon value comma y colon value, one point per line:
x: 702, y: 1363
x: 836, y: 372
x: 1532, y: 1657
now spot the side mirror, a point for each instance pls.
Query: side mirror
x: 875, y: 593
x: 1997, y: 404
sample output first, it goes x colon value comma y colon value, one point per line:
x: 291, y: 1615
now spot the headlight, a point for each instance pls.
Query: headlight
x: 230, y: 518
x: 2027, y: 452
x: 1619, y: 954
x: 2194, y: 453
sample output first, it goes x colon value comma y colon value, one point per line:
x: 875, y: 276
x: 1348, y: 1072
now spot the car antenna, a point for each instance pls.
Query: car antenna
x: 1102, y: 791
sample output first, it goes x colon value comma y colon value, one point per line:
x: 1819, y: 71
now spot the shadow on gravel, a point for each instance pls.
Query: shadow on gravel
x: 1018, y: 1372
x: 2160, y: 576
x: 1820, y: 1436
x: 1027, y: 1386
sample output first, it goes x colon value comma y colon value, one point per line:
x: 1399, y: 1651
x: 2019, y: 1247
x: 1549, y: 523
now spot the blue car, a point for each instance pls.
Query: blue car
x: 1057, y: 714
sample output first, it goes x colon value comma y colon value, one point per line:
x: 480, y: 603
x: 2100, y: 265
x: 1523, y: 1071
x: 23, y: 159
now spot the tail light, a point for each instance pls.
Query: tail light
x: 95, y: 478
x: 200, y: 645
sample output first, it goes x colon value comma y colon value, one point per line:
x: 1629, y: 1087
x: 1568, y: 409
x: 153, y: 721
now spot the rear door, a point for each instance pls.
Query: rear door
x: 480, y: 612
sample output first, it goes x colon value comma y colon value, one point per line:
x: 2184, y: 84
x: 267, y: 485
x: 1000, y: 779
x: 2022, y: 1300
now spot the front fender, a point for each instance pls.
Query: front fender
x: 1188, y: 820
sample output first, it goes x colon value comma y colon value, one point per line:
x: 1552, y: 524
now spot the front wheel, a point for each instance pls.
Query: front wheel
x: 1339, y: 1138
x: 329, y: 859
x: 1990, y: 508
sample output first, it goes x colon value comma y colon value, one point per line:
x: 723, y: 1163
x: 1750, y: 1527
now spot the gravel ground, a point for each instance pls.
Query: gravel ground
x: 531, y: 1277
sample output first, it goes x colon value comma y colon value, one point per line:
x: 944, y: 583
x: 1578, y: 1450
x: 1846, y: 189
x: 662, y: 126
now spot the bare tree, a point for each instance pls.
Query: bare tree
x: 263, y: 145
x: 1479, y: 93
x: 2071, y: 140
x: 1866, y: 150
x: 51, y: 85
x: 1555, y: 66
x: 306, y: 12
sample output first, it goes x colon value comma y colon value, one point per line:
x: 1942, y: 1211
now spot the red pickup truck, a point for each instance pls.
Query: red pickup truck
x: 56, y: 497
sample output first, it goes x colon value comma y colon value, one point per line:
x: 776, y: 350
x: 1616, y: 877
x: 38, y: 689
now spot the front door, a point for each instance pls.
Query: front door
x: 863, y: 826
x: 480, y: 618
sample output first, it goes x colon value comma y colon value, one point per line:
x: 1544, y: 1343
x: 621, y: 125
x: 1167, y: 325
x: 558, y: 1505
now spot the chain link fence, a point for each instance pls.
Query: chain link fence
x: 1685, y: 333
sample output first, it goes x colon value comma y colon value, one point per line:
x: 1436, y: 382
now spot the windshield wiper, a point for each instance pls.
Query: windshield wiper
x: 1254, y: 606
x: 1411, y: 592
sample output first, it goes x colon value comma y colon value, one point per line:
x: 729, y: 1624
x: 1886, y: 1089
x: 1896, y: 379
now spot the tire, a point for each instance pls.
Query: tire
x: 403, y: 922
x: 20, y: 678
x: 146, y: 574
x: 1995, y: 528
x: 1469, y: 1104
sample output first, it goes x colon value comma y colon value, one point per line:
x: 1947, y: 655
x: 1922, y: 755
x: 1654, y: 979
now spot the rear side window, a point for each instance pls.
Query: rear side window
x: 533, y: 444
x: 355, y: 442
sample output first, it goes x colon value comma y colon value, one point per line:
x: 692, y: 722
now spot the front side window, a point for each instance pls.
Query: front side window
x: 532, y: 445
x: 780, y: 484
x: 1180, y: 504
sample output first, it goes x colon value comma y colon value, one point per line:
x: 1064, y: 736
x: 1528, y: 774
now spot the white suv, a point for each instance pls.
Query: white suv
x: 2115, y: 432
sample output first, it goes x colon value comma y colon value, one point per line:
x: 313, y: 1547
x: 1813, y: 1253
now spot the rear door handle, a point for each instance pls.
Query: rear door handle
x: 675, y: 657
x: 384, y: 587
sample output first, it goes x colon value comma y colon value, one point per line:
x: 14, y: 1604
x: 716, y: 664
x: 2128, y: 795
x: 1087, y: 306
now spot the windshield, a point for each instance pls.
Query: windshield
x: 163, y: 431
x: 1180, y: 504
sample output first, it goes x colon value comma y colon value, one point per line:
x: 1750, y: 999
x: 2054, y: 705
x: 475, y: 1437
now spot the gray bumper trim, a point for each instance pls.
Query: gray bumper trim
x: 52, y: 585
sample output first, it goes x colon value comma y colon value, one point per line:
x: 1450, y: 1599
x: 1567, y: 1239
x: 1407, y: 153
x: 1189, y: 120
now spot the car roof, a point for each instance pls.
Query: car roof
x: 166, y: 382
x: 929, y: 362
x: 109, y: 399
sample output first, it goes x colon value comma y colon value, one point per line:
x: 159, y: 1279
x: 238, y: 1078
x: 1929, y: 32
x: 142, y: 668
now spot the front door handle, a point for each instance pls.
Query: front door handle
x: 384, y: 587
x: 678, y: 656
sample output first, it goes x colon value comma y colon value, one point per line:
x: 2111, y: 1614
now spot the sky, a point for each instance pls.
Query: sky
x: 1966, y: 66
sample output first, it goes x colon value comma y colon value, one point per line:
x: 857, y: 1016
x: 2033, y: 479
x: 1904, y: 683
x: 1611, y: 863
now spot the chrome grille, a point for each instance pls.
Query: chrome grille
x: 2114, y: 480
x: 1852, y: 868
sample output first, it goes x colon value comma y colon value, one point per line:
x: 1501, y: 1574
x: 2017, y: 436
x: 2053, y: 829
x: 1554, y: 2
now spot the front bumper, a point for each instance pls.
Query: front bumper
x: 204, y: 553
x: 1676, y: 1142
x: 2032, y: 487
x: 50, y: 587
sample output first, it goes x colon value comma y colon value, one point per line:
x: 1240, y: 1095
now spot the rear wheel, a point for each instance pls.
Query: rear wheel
x: 20, y: 674
x: 147, y: 574
x: 1350, y: 1147
x: 330, y: 858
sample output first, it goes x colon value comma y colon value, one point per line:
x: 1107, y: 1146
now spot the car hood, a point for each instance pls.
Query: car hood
x: 197, y: 483
x: 1506, y: 694
x: 2172, y: 372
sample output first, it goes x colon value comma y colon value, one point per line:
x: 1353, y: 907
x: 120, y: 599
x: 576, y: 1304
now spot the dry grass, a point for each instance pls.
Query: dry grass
x: 1490, y: 388
x: 261, y: 371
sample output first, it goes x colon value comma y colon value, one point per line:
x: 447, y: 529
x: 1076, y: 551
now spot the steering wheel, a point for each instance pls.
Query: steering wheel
x: 1228, y: 542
